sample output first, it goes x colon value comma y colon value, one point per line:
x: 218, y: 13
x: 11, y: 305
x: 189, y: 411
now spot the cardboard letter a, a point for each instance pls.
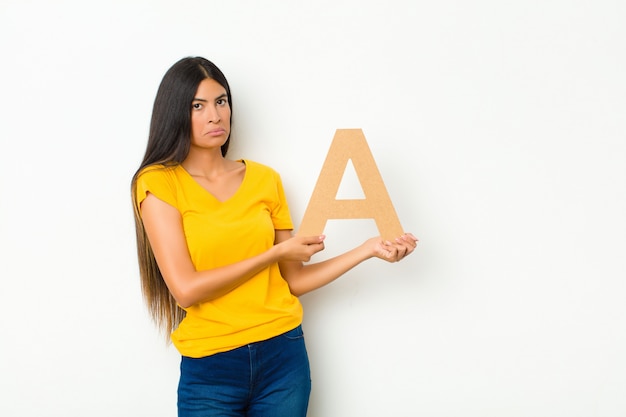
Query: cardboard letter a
x: 350, y: 144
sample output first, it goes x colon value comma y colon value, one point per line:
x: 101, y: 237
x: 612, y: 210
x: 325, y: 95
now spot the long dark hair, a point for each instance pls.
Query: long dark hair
x: 169, y: 141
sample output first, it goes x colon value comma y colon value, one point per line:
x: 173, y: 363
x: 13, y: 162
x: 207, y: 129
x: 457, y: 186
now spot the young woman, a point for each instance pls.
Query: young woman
x: 221, y: 272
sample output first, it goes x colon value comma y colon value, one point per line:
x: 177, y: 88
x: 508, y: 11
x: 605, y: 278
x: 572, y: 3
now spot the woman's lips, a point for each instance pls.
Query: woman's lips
x: 216, y: 132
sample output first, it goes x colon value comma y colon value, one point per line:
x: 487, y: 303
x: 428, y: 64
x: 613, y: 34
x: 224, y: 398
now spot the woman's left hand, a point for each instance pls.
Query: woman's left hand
x: 394, y: 251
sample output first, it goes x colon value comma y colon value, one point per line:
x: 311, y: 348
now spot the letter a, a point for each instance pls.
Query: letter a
x: 350, y: 144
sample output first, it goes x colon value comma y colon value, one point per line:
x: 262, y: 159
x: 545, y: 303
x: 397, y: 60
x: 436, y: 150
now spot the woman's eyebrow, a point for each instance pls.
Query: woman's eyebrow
x: 205, y: 100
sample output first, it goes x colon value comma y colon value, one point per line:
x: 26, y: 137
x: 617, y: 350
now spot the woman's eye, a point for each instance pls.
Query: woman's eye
x: 222, y: 102
x: 196, y: 106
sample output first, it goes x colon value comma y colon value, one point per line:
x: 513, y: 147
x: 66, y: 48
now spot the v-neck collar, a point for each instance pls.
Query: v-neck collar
x: 208, y: 193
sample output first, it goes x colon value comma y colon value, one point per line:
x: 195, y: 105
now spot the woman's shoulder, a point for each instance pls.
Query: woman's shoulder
x: 160, y: 180
x: 259, y: 167
x: 159, y: 170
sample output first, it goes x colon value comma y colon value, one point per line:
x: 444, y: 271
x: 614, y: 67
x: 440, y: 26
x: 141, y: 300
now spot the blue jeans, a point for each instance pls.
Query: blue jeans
x: 270, y: 378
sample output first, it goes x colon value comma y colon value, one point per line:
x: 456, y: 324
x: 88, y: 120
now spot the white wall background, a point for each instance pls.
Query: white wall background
x: 499, y: 128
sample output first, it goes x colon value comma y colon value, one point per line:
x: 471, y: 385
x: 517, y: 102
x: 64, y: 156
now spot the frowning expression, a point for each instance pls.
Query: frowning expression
x: 210, y: 115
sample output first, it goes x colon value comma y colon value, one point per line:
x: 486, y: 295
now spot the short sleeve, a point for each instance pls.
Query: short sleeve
x: 281, y: 216
x: 157, y: 180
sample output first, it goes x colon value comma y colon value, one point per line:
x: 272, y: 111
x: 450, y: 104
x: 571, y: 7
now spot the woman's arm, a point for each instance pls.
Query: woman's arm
x: 305, y: 278
x: 164, y: 227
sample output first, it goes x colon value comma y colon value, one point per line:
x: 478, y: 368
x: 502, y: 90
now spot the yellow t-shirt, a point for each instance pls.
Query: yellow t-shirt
x: 222, y: 233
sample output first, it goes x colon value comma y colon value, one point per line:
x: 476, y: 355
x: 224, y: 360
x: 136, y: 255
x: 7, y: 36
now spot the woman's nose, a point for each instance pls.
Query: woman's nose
x: 214, y: 115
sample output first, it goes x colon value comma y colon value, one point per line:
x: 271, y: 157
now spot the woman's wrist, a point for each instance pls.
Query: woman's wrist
x: 274, y: 253
x: 367, y: 249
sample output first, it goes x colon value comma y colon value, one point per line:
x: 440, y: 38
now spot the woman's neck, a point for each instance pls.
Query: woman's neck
x: 206, y: 164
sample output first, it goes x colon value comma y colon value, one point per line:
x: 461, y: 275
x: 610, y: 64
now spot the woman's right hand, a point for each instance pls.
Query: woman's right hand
x: 395, y: 251
x: 300, y: 248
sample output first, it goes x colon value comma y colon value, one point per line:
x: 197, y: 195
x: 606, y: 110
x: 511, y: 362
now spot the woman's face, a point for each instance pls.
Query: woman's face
x: 210, y: 115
